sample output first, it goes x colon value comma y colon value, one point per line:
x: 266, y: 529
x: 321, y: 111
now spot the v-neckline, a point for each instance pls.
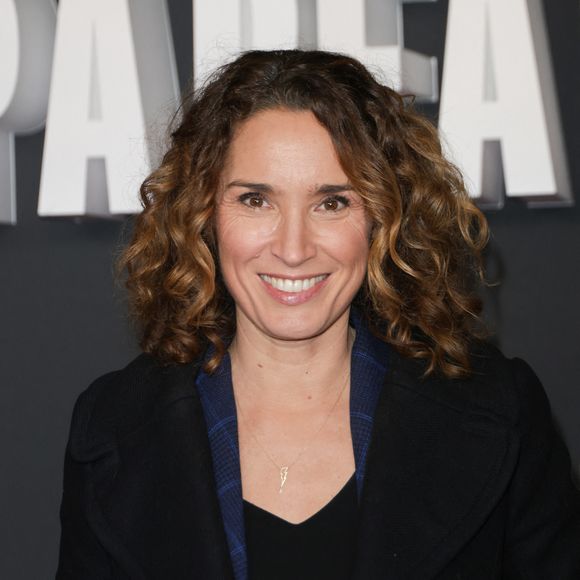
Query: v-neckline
x: 261, y: 512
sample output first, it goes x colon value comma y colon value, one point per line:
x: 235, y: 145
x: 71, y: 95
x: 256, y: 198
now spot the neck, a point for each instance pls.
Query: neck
x: 291, y: 375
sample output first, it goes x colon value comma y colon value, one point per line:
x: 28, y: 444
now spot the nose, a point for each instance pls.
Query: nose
x: 293, y: 239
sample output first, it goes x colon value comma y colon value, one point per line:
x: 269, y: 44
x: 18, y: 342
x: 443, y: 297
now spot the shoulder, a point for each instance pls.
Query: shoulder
x: 120, y: 401
x: 505, y: 389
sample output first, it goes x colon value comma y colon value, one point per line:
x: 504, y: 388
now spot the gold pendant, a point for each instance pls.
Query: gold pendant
x: 283, y: 476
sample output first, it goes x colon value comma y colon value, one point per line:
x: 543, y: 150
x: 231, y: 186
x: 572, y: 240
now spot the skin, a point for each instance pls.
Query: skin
x: 302, y: 220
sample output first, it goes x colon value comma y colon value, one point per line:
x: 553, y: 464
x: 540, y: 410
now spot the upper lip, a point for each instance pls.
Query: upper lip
x: 293, y: 277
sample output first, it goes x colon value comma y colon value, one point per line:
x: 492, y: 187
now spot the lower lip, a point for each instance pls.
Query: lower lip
x: 294, y: 298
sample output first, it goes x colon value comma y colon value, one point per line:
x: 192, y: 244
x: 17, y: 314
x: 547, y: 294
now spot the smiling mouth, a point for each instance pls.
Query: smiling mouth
x: 287, y: 285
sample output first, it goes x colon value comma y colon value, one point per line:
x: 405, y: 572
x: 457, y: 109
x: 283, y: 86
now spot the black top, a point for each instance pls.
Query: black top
x: 319, y: 548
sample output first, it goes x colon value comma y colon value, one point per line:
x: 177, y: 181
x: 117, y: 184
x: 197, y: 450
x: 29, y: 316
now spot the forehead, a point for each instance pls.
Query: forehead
x: 282, y: 144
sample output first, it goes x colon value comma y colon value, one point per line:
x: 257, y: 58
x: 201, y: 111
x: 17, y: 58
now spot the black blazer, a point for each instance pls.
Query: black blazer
x: 464, y: 480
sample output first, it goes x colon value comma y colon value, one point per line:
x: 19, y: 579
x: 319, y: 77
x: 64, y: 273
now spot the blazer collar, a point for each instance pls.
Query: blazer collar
x: 435, y: 468
x: 150, y: 490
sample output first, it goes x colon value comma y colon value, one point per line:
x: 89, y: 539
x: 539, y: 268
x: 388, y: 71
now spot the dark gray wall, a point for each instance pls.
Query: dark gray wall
x: 64, y: 323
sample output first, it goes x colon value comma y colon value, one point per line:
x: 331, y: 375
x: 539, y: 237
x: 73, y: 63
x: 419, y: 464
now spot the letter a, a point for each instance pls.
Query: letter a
x: 499, y: 103
x: 113, y: 75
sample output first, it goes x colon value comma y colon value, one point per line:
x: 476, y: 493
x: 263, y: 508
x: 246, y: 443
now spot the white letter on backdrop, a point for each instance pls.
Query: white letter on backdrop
x: 372, y: 31
x: 499, y: 102
x: 26, y: 43
x: 113, y: 76
x: 222, y: 28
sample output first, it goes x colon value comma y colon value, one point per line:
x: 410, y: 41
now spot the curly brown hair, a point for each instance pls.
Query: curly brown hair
x: 427, y: 238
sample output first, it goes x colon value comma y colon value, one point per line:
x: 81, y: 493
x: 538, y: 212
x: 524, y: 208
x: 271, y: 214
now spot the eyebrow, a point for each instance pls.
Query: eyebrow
x: 325, y: 189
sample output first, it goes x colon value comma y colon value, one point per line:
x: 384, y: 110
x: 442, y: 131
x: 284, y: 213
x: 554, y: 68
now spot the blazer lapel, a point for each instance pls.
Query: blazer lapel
x: 435, y: 470
x: 153, y: 498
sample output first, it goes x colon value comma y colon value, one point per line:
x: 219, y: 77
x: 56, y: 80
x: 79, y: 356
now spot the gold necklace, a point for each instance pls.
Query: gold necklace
x: 283, y: 469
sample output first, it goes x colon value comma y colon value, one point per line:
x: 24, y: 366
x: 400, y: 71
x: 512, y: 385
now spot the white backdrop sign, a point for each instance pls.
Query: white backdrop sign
x: 114, y: 84
x: 26, y: 41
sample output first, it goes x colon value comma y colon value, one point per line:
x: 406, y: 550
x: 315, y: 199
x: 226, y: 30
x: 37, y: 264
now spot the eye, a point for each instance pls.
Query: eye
x: 335, y: 203
x: 252, y: 200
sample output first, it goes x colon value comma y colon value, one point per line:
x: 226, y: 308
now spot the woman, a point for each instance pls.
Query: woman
x: 313, y: 400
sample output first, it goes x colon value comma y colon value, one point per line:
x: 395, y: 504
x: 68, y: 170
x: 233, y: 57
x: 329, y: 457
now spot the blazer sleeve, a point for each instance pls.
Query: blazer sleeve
x: 81, y: 556
x: 543, y: 533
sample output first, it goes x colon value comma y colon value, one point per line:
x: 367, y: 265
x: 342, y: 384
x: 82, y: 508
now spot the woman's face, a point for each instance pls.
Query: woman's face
x: 292, y: 234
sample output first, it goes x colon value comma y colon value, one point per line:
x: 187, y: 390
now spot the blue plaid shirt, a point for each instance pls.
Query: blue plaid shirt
x: 369, y: 356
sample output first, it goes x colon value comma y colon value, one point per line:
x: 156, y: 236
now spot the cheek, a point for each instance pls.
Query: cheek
x: 237, y: 240
x: 351, y: 242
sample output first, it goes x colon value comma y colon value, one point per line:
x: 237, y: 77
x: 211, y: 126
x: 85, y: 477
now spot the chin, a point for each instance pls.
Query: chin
x: 293, y: 328
x: 295, y: 325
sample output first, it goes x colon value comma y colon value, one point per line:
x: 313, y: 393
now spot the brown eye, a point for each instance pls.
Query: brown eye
x: 334, y: 204
x: 253, y: 200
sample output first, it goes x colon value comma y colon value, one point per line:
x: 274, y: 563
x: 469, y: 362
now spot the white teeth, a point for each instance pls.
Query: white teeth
x: 286, y: 285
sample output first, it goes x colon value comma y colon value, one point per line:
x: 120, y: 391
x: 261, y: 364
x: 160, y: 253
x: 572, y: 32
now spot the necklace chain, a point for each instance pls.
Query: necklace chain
x: 283, y: 469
